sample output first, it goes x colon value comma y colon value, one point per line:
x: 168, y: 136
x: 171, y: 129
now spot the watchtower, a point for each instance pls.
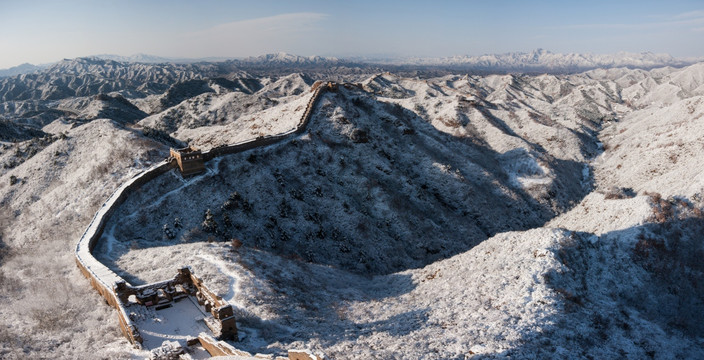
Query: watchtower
x: 189, y: 159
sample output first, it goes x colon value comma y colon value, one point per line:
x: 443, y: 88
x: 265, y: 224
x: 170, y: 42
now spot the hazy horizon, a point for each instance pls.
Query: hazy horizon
x: 39, y: 32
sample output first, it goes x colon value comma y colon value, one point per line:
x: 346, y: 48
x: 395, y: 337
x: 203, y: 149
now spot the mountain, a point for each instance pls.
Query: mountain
x: 136, y: 58
x: 153, y: 59
x: 539, y: 60
x: 25, y: 68
x: 545, y: 61
x: 441, y: 217
x: 220, y: 102
x: 93, y: 76
x: 415, y: 193
x: 282, y: 58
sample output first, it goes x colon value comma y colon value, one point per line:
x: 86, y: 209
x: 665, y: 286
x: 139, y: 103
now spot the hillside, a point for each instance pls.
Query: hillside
x: 550, y: 216
x: 202, y: 104
x: 55, y: 192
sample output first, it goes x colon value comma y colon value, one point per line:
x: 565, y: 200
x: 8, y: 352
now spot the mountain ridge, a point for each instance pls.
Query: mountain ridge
x: 538, y: 60
x: 541, y: 59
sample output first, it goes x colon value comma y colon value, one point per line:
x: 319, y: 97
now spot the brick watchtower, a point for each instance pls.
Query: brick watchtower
x: 189, y: 159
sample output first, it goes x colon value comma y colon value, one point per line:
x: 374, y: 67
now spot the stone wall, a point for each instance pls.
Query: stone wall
x: 116, y: 291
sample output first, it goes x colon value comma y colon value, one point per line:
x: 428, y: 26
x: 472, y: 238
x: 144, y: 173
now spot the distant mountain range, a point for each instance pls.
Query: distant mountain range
x: 284, y: 58
x: 25, y: 68
x: 536, y: 61
x: 153, y: 59
x: 541, y: 59
x: 280, y: 58
x: 93, y: 76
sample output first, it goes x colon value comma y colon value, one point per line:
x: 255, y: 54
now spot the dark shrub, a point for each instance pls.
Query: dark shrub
x: 359, y: 136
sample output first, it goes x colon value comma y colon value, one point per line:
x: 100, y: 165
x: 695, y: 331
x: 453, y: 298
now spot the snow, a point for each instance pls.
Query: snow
x: 521, y: 224
x: 275, y: 120
x: 598, y: 215
x: 657, y: 150
x: 223, y: 267
x: 64, y: 185
x: 179, y: 322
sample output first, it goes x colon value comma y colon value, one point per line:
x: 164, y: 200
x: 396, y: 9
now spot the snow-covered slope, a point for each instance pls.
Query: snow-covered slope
x: 551, y: 216
x: 222, y: 102
x: 543, y: 293
x: 319, y: 200
x: 47, y: 309
x: 273, y: 120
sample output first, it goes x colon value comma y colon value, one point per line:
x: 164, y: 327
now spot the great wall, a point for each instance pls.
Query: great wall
x: 185, y: 285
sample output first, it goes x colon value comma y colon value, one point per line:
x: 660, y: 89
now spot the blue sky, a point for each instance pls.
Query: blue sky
x: 47, y: 31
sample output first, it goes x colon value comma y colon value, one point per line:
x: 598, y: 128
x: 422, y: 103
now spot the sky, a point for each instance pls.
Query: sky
x: 41, y: 32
